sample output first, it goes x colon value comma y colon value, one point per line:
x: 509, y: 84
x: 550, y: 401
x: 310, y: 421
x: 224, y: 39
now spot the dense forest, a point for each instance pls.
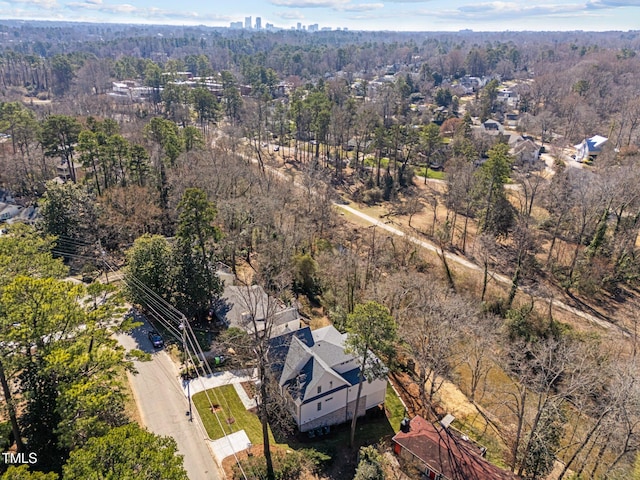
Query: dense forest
x: 184, y: 147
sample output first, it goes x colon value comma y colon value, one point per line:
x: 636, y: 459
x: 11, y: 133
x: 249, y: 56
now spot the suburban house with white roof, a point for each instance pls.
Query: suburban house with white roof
x: 589, y: 147
x: 319, y: 379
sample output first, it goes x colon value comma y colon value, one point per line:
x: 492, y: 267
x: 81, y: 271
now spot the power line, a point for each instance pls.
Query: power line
x: 152, y: 299
x: 161, y: 303
x: 190, y: 335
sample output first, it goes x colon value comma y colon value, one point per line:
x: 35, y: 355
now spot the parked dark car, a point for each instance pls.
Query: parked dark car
x: 156, y: 339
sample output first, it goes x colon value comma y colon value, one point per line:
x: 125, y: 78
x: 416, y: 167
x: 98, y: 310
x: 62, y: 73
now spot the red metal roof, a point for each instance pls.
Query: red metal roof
x: 447, y: 453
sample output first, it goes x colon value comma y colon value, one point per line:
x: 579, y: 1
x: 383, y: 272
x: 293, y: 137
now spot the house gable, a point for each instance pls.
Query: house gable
x: 304, y: 372
x: 328, y: 344
x: 526, y: 151
x: 447, y: 454
x: 326, y: 382
x: 279, y: 348
x: 589, y: 147
x: 299, y: 361
x: 319, y: 378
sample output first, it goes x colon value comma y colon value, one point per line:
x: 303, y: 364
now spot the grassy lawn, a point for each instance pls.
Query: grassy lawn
x: 436, y: 175
x: 431, y: 173
x: 230, y: 407
x: 395, y: 408
x: 369, y: 430
x: 372, y: 162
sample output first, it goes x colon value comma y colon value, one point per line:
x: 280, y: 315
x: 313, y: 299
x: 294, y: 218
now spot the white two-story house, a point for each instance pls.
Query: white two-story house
x: 319, y: 379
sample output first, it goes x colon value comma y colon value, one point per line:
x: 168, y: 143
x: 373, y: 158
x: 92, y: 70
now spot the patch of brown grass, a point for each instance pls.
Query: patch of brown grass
x: 257, y: 450
x: 131, y: 409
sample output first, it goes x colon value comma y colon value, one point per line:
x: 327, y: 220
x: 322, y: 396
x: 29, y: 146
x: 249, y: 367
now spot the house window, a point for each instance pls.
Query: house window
x: 431, y: 474
x: 319, y: 389
x: 319, y: 406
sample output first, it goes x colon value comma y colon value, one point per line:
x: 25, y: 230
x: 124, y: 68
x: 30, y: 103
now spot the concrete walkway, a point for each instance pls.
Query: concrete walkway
x: 229, y: 445
x: 237, y: 441
x: 248, y: 402
x: 218, y: 379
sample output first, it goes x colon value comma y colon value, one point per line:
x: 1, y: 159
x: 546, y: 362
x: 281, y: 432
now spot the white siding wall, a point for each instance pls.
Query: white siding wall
x: 377, y: 392
x: 582, y: 151
x: 330, y: 403
x: 373, y: 392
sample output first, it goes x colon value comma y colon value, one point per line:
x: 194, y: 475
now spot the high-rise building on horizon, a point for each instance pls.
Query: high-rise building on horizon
x: 247, y: 23
x: 258, y: 23
x: 299, y: 26
x: 236, y: 25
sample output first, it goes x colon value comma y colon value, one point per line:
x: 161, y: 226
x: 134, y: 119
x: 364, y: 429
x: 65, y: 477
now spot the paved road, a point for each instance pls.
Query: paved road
x: 163, y: 406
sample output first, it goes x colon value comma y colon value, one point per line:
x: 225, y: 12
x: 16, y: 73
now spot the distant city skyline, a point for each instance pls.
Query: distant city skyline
x: 399, y: 15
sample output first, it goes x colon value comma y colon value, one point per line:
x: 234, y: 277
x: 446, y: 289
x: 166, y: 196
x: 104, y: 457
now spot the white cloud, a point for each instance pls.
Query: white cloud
x: 613, y: 3
x: 499, y: 11
x: 145, y: 13
x: 98, y: 6
x: 292, y: 15
x: 335, y: 4
x: 50, y: 4
x: 362, y: 7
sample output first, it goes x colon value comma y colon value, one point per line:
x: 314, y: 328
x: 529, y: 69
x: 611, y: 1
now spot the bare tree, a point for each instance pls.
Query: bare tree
x: 487, y: 247
x: 259, y: 322
x: 524, y: 242
x: 606, y: 427
x: 477, y: 352
x: 429, y: 321
x: 545, y: 376
x: 458, y: 197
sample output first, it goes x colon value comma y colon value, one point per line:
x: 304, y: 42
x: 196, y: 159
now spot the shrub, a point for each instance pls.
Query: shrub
x: 370, y: 465
x: 372, y: 196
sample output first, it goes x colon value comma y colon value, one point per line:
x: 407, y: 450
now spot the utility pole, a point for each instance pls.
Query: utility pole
x: 183, y: 328
x: 103, y: 256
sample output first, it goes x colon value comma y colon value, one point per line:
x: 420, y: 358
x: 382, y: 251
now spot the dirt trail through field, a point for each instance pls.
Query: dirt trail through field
x: 594, y: 320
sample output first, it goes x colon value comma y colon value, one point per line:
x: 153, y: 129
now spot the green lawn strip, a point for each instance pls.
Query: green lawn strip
x: 431, y: 173
x: 436, y: 175
x: 394, y: 407
x: 369, y: 430
x: 373, y: 162
x: 230, y: 406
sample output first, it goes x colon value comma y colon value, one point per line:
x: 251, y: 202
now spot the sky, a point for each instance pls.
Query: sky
x: 405, y: 15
